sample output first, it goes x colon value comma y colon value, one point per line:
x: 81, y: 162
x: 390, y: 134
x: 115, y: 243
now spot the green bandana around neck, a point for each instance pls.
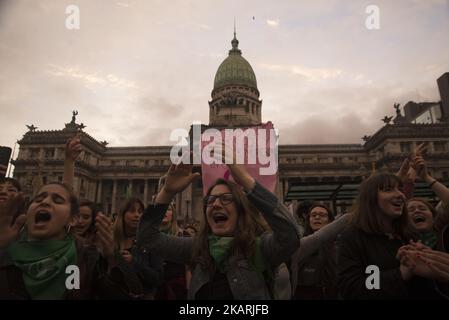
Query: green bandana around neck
x: 43, y: 265
x: 220, y: 249
x: 429, y: 239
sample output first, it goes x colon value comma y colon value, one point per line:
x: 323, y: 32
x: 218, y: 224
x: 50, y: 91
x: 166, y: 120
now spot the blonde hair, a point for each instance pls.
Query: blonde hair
x: 173, y: 229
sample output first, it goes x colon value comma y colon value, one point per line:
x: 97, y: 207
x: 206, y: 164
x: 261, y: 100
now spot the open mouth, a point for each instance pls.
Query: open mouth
x: 397, y: 204
x: 42, y: 216
x: 3, y: 198
x: 220, y: 217
x: 418, y: 218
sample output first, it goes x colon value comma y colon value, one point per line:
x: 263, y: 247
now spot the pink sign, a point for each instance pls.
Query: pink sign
x: 260, y: 155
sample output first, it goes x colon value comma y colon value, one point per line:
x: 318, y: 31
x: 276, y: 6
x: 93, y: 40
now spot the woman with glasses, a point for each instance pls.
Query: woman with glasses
x: 232, y: 255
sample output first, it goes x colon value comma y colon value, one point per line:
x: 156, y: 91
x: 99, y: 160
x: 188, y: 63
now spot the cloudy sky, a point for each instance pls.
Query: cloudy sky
x: 136, y: 69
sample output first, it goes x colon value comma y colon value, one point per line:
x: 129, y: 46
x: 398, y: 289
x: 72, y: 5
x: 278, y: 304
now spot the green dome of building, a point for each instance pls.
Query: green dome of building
x: 235, y: 70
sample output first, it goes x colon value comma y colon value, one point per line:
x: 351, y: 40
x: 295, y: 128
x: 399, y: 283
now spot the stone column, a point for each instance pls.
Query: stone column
x: 145, y: 193
x: 130, y: 188
x: 114, y: 196
x: 99, y: 191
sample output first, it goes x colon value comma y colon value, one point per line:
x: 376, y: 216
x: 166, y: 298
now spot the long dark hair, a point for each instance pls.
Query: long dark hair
x: 119, y: 224
x: 250, y: 225
x: 366, y: 213
x: 94, y: 210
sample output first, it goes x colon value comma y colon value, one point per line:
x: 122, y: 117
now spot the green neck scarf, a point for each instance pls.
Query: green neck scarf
x: 429, y: 239
x: 43, y: 265
x: 220, y: 248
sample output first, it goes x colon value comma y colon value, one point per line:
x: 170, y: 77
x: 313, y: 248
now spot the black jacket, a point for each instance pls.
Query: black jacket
x: 356, y: 250
x: 97, y: 281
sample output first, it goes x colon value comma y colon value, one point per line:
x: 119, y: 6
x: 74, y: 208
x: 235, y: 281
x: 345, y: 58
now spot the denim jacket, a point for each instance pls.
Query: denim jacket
x: 245, y: 283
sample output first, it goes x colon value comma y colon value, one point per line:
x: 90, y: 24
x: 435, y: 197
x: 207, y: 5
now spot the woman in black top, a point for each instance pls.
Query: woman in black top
x: 367, y: 264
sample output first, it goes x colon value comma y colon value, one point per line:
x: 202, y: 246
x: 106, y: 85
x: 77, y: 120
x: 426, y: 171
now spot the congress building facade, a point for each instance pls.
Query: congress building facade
x: 329, y: 173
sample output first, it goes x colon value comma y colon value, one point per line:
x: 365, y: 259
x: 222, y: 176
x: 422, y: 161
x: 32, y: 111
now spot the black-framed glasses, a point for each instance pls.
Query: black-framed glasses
x: 225, y: 198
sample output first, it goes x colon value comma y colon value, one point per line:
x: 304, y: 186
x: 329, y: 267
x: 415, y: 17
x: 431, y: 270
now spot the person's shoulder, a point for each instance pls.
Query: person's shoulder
x: 352, y: 233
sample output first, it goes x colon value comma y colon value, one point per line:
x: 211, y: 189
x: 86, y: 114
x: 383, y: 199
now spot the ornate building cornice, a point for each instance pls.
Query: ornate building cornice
x: 407, y: 131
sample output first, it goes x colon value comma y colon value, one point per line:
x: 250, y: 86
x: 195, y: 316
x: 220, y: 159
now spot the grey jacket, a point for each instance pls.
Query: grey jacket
x: 244, y: 282
x: 312, y: 243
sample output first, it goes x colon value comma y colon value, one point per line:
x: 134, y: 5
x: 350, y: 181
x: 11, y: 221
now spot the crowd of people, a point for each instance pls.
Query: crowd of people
x: 248, y: 245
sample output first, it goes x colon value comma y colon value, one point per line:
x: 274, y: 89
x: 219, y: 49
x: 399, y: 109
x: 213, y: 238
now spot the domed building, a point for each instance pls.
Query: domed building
x: 328, y: 173
x: 235, y: 97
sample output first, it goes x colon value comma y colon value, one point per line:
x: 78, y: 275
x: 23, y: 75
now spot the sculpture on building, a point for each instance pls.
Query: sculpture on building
x: 396, y: 107
x: 74, y: 114
x: 387, y: 120
x: 31, y: 128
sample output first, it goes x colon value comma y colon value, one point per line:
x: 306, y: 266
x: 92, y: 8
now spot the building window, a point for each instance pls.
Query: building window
x: 323, y: 160
x: 49, y: 153
x: 439, y: 146
x: 405, y: 147
x: 34, y: 153
x: 308, y: 160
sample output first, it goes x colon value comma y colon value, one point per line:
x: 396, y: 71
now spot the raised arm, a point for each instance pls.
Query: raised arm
x: 72, y: 151
x: 175, y: 249
x: 440, y: 190
x: 278, y: 246
x: 311, y: 243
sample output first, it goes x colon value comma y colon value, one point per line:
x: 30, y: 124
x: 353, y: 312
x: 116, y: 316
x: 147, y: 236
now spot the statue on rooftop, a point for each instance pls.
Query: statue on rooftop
x: 31, y: 127
x: 396, y: 107
x: 74, y: 114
